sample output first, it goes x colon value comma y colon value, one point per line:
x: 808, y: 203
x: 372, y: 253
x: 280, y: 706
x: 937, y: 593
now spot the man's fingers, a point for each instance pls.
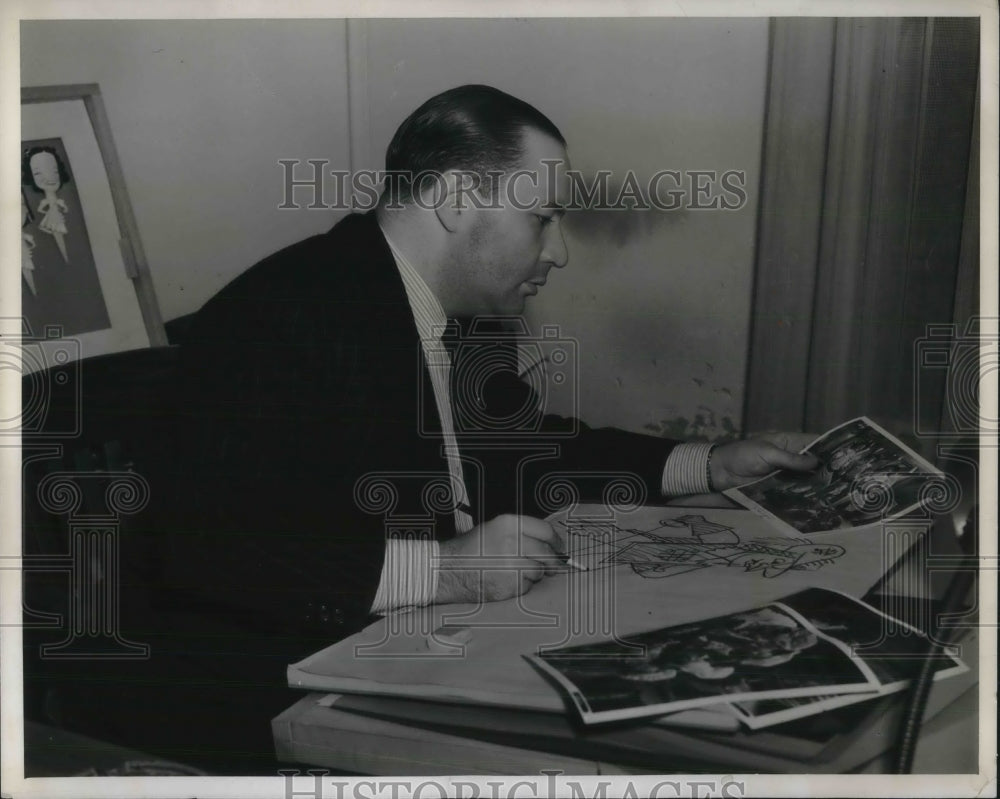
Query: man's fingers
x: 556, y: 565
x: 795, y: 442
x: 534, y: 574
x: 526, y: 543
x: 540, y: 530
x: 531, y: 571
x: 783, y: 459
x: 541, y: 553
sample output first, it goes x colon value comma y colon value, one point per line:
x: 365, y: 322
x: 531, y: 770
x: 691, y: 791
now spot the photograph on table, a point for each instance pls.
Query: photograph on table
x: 892, y: 649
x: 865, y: 475
x: 766, y: 652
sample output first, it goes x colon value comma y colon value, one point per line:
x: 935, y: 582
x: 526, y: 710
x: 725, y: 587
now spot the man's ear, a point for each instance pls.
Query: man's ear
x: 451, y: 207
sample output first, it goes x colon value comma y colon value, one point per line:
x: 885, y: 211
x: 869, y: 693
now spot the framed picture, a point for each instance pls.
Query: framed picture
x: 84, y: 276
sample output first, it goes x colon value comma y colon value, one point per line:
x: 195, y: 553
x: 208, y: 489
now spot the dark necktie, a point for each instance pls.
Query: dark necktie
x: 451, y: 339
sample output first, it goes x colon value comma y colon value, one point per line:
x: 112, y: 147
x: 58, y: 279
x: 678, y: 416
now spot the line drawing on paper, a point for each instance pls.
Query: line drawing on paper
x: 688, y: 543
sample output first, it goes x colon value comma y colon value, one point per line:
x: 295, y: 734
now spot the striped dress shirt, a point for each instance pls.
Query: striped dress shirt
x: 409, y: 573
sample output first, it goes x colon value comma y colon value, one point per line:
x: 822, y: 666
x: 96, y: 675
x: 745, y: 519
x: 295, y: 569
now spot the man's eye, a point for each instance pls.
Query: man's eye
x: 543, y: 220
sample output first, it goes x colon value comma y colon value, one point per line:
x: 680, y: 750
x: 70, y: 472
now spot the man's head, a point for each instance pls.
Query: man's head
x: 475, y: 129
x: 484, y: 249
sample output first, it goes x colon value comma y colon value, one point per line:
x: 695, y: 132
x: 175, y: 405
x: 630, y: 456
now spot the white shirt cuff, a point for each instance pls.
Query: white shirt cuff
x: 686, y: 470
x: 408, y: 578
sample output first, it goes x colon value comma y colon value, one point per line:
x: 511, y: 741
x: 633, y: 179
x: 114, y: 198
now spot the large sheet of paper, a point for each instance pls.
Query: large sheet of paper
x: 648, y: 568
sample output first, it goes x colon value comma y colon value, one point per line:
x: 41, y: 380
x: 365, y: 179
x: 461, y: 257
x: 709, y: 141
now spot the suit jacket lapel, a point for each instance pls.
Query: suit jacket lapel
x: 404, y: 375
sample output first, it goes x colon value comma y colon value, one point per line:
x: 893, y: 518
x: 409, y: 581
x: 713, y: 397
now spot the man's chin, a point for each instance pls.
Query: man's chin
x: 512, y: 308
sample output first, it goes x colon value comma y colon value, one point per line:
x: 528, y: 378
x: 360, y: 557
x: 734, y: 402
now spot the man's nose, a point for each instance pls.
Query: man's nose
x: 555, y: 251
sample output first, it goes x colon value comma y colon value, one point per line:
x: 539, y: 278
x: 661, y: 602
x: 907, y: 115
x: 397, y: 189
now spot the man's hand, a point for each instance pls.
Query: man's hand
x: 740, y: 462
x: 498, y: 559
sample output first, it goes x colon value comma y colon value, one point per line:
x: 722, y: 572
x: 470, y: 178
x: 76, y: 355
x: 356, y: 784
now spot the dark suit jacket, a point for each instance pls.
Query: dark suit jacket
x: 299, y: 378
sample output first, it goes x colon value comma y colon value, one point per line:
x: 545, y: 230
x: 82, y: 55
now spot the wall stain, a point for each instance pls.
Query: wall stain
x: 619, y: 225
x: 704, y: 427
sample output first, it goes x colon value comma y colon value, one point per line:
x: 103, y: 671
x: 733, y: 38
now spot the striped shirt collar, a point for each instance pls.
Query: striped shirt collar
x: 427, y: 310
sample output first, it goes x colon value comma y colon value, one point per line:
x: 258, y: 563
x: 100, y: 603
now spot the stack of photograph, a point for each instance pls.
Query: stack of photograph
x: 811, y: 652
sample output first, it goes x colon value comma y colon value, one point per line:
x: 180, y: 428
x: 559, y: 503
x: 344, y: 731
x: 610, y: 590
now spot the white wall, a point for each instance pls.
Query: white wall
x: 658, y: 301
x: 201, y: 112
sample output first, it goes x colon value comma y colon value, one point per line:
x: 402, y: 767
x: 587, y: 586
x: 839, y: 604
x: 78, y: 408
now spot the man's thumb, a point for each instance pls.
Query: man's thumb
x: 800, y: 462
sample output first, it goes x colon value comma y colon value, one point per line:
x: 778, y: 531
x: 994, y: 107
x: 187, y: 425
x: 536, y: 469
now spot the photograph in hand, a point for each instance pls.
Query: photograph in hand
x: 865, y: 475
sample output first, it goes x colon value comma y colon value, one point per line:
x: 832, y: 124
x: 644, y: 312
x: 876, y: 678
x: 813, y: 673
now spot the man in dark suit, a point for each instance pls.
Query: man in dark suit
x: 335, y: 455
x: 318, y: 367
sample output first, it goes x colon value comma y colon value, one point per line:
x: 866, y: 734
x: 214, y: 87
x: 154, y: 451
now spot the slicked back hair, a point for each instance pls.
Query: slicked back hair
x: 471, y: 128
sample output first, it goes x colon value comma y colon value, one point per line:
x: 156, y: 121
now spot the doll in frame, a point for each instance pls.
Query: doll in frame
x: 43, y: 170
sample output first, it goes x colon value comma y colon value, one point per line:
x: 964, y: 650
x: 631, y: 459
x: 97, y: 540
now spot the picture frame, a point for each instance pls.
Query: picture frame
x: 85, y: 278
